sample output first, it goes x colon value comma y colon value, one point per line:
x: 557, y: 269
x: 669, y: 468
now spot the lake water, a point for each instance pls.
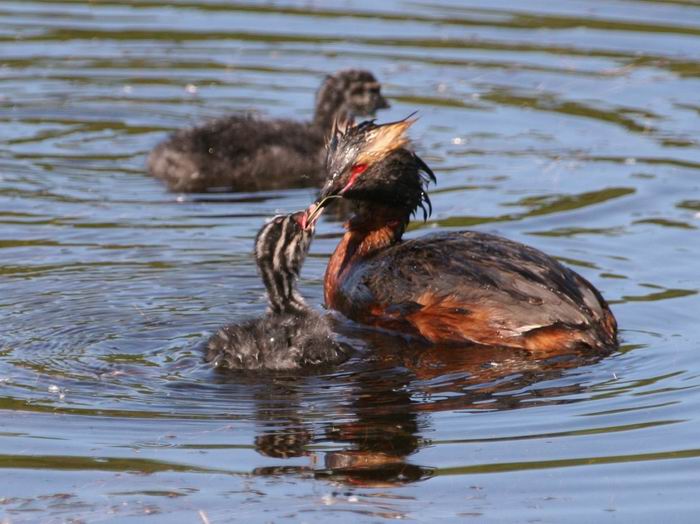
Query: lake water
x: 571, y: 126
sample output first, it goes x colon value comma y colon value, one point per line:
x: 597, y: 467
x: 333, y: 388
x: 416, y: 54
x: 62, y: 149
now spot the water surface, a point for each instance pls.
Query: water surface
x: 572, y: 127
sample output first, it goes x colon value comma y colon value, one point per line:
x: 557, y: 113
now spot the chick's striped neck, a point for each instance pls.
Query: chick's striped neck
x: 280, y: 249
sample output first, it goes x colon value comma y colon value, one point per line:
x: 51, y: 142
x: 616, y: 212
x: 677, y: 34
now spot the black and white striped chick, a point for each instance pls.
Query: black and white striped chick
x: 290, y: 335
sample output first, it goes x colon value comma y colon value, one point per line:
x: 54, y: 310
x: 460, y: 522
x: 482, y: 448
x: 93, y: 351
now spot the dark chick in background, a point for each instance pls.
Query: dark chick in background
x: 244, y: 153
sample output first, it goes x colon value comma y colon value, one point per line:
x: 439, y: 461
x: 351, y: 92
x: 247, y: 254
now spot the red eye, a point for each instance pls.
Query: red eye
x: 358, y: 169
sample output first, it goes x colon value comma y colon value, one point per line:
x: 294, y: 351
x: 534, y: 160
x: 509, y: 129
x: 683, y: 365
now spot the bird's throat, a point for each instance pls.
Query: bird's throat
x: 365, y: 235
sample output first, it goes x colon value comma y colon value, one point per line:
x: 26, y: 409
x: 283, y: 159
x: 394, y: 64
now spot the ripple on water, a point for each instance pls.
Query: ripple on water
x: 570, y: 127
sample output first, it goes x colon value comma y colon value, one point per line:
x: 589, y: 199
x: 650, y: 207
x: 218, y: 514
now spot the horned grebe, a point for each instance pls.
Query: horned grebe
x: 455, y: 287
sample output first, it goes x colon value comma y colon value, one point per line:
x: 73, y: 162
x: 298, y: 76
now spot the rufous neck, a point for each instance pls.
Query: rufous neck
x: 367, y: 232
x: 359, y: 242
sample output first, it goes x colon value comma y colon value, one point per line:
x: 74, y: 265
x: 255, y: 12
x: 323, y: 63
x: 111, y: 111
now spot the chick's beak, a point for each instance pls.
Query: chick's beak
x: 300, y: 218
x: 315, y: 210
x: 311, y: 216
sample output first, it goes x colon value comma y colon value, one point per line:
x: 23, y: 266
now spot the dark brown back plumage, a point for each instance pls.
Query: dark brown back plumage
x: 460, y: 287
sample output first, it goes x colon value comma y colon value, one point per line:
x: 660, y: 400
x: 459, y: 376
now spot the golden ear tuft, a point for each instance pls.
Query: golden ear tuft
x: 383, y: 140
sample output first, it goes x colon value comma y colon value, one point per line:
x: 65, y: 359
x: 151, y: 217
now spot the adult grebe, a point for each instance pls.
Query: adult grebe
x: 456, y: 287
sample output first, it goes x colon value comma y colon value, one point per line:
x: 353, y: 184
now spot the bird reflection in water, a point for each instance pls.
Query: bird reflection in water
x: 381, y: 405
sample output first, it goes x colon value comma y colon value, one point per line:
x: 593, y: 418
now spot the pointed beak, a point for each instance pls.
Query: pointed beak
x: 314, y: 212
x: 330, y: 190
x: 311, y: 216
x: 300, y: 219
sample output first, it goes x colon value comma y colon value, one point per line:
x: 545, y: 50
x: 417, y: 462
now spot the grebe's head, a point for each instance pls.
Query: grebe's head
x: 280, y: 249
x: 361, y: 91
x: 347, y: 93
x: 369, y: 162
